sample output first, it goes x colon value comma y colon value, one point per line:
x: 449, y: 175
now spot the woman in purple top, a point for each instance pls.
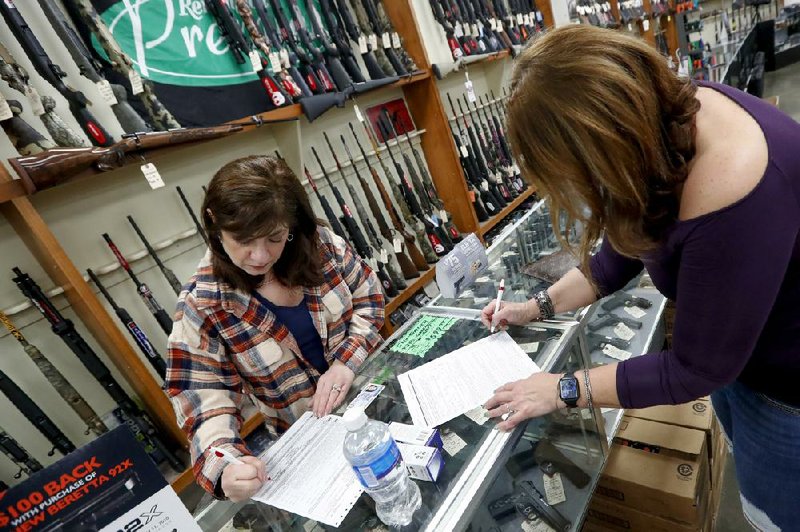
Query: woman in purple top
x: 700, y: 185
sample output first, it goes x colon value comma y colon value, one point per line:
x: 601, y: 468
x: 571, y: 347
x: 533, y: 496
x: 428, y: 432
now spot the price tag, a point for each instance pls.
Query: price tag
x: 623, y: 331
x: 104, y: 88
x: 520, y: 19
x: 646, y: 25
x: 443, y: 215
x: 255, y: 60
x: 137, y: 86
x: 285, y: 58
x: 458, y: 31
x: 539, y: 16
x: 554, y: 489
x: 636, y: 312
x: 373, y: 41
x: 275, y: 62
x: 362, y: 45
x: 396, y: 40
x: 526, y: 19
x: 616, y: 352
x: 530, y: 347
x: 485, y: 185
x: 373, y: 264
x: 464, y: 151
x: 5, y: 110
x: 452, y: 443
x: 493, y: 24
x: 151, y: 174
x: 384, y: 258
x: 397, y: 242
x: 387, y: 40
x: 478, y: 414
x: 359, y: 116
x: 470, y: 90
x: 36, y: 101
x: 475, y: 31
x: 537, y: 525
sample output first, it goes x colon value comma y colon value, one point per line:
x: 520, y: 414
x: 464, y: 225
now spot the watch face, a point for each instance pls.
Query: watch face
x: 568, y: 389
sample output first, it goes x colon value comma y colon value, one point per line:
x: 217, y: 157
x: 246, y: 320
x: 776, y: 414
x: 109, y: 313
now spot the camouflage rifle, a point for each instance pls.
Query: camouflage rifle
x: 25, y: 139
x: 82, y: 10
x: 58, y: 381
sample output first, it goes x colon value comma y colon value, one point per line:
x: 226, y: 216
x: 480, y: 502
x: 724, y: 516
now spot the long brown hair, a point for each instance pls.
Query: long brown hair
x: 605, y: 130
x: 251, y: 197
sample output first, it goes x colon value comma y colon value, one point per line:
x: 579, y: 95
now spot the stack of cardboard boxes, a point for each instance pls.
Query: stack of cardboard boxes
x: 663, y: 472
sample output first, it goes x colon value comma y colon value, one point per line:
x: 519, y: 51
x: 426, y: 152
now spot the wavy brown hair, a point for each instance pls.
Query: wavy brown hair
x: 597, y: 120
x: 251, y: 197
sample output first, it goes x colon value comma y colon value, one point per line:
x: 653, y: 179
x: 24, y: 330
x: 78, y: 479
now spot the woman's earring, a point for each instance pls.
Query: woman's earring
x: 289, y: 237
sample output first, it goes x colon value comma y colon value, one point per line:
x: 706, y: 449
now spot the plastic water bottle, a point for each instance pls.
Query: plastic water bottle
x: 376, y: 460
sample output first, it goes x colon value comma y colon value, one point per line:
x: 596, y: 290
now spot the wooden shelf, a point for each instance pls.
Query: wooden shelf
x: 490, y: 223
x: 10, y: 190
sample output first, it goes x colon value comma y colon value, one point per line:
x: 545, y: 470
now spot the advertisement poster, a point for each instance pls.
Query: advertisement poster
x: 109, y: 485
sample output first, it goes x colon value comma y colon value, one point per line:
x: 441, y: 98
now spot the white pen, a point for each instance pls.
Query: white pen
x: 497, y: 301
x: 225, y: 455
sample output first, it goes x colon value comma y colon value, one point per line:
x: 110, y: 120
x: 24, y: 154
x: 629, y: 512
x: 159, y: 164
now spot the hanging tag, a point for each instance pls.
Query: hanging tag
x: 539, y: 16
x: 36, y: 101
x: 285, y: 58
x: 373, y: 40
x: 470, y: 90
x: 630, y: 26
x: 5, y: 110
x: 616, y: 352
x: 275, y: 62
x: 526, y: 19
x: 384, y: 256
x: 636, y: 312
x: 535, y: 525
x: 554, y: 489
x: 475, y: 31
x: 452, y: 443
x: 396, y: 40
x: 151, y: 174
x: 646, y: 25
x: 255, y: 60
x: 458, y: 31
x: 137, y: 86
x: 362, y: 45
x: 520, y: 20
x: 359, y: 116
x: 104, y: 88
x: 485, y: 185
x: 443, y: 215
x: 387, y: 40
x: 493, y: 24
x: 464, y: 151
x: 623, y: 331
x: 397, y: 242
x: 478, y: 414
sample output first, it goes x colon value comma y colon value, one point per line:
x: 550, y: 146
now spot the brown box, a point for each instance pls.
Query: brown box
x: 669, y: 479
x: 606, y: 515
x: 696, y: 414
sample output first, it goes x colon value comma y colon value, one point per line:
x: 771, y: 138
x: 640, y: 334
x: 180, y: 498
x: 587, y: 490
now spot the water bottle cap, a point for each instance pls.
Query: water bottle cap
x: 354, y: 419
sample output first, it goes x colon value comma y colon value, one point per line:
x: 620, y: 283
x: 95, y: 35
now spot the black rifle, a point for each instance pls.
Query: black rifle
x: 380, y: 29
x: 22, y: 135
x: 335, y: 25
x: 356, y: 236
x: 351, y: 27
x: 337, y: 71
x: 504, y: 162
x: 406, y: 264
x: 449, y: 30
x: 193, y: 216
x: 142, y: 289
x: 53, y: 74
x: 138, y: 335
x: 494, y: 110
x: 490, y: 158
x: 130, y: 413
x: 241, y: 49
x: 89, y: 68
x: 417, y: 257
x: 17, y: 454
x: 36, y: 416
x: 383, y: 261
x: 172, y: 279
x: 622, y: 299
x: 67, y: 392
x: 326, y: 207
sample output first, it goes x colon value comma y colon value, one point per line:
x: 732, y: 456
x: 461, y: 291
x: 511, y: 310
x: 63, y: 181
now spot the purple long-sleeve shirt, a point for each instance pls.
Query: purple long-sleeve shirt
x: 735, y: 277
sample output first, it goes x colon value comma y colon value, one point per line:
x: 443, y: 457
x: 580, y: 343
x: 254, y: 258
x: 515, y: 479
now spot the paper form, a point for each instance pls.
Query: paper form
x: 310, y: 475
x: 459, y: 381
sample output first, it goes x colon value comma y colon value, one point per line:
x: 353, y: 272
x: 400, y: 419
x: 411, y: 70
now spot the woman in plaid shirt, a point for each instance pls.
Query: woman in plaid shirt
x: 280, y: 313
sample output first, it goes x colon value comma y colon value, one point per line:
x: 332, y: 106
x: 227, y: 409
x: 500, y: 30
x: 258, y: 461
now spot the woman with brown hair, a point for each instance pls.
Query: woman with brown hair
x: 280, y: 313
x: 698, y: 183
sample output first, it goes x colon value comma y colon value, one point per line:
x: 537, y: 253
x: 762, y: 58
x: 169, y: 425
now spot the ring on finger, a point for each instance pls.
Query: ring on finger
x: 336, y: 388
x: 508, y: 408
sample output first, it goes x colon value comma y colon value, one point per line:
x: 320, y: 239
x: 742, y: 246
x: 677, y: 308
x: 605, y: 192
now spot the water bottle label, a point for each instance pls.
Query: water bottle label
x: 370, y: 474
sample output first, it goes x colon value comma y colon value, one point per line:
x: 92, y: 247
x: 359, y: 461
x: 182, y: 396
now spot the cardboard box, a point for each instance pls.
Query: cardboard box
x: 658, y: 469
x: 604, y: 514
x: 415, y: 435
x: 422, y: 463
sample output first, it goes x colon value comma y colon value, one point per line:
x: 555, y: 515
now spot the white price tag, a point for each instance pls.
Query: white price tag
x: 255, y: 60
x: 520, y: 19
x: 475, y: 31
x: 396, y: 40
x: 478, y: 414
x: 359, y: 116
x: 458, y: 31
x: 630, y: 26
x: 151, y: 174
x: 539, y: 16
x: 362, y: 45
x: 530, y: 347
x: 485, y: 185
x: 137, y: 86
x: 493, y: 24
x: 285, y: 58
x: 526, y: 19
x: 470, y: 91
x: 386, y: 38
x: 384, y: 258
x: 616, y: 352
x: 373, y: 40
x: 623, y: 331
x: 452, y: 443
x: 537, y: 525
x: 275, y: 62
x: 636, y: 312
x: 36, y: 101
x: 397, y: 243
x: 464, y: 151
x: 104, y: 88
x: 443, y: 215
x: 554, y: 489
x: 646, y: 25
x: 5, y: 110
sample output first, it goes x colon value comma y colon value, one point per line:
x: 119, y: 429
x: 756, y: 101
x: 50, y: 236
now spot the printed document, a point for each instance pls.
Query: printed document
x: 463, y: 379
x: 309, y: 473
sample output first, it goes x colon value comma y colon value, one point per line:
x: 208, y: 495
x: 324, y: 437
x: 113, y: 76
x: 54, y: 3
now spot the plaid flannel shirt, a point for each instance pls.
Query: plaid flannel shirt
x: 227, y: 351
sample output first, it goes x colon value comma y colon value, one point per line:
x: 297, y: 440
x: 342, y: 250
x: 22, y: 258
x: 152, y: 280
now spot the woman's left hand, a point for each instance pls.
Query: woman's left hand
x: 332, y: 388
x: 524, y: 399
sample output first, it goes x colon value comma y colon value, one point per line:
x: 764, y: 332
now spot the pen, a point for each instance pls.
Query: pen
x: 225, y: 455
x: 497, y: 301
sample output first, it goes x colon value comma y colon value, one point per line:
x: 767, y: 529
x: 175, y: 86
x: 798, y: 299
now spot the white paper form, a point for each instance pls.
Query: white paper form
x: 310, y: 475
x: 459, y: 381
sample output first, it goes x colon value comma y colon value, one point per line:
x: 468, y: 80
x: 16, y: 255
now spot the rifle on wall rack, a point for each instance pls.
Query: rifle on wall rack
x: 172, y: 279
x: 192, y: 215
x: 22, y: 135
x: 17, y: 454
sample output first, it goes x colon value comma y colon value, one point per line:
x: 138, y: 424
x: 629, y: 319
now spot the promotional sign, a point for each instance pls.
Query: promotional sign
x: 459, y: 268
x: 108, y: 485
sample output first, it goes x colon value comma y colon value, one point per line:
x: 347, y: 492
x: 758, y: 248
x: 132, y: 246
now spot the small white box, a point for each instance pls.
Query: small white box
x: 422, y: 463
x: 414, y: 435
